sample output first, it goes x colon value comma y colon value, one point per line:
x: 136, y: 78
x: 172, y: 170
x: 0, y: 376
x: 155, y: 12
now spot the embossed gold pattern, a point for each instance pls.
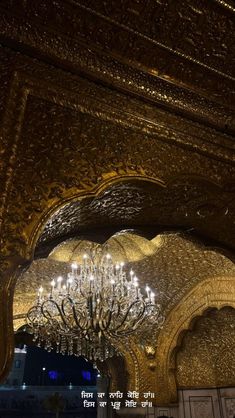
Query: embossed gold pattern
x: 188, y: 279
x: 120, y: 115
x: 209, y: 293
x: 173, y: 255
x: 206, y: 356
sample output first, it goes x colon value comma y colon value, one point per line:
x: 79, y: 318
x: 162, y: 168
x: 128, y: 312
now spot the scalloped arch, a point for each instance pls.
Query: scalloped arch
x: 211, y: 293
x: 72, y: 196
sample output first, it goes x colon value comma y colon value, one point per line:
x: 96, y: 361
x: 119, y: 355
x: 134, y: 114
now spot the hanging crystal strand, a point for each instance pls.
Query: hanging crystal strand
x: 79, y: 346
x: 63, y: 346
x: 58, y: 347
x: 70, y: 347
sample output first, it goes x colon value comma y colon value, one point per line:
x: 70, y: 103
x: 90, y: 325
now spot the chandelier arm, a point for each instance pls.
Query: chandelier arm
x: 128, y: 311
x: 141, y: 314
x: 80, y: 290
x: 34, y: 308
x: 51, y: 316
x: 138, y: 322
x: 130, y: 332
x: 111, y: 312
x: 97, y: 305
x: 77, y: 321
x: 105, y: 327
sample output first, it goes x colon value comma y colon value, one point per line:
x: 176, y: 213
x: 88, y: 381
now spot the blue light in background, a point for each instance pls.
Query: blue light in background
x: 53, y: 374
x: 86, y: 375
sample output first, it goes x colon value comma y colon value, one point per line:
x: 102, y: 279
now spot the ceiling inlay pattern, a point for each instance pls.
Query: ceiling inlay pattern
x: 189, y: 203
x: 157, y: 50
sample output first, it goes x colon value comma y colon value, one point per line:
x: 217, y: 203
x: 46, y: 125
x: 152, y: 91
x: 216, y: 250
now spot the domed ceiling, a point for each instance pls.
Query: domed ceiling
x: 171, y: 263
x: 190, y: 204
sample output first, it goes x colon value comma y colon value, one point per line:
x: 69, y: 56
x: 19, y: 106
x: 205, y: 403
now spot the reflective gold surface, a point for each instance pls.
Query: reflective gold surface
x: 209, y: 293
x: 206, y: 357
x: 187, y: 278
x: 171, y: 263
x: 120, y: 116
x: 157, y: 50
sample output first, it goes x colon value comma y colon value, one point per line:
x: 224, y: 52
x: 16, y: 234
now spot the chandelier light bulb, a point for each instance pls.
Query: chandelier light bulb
x: 152, y: 297
x: 148, y: 291
x: 74, y: 266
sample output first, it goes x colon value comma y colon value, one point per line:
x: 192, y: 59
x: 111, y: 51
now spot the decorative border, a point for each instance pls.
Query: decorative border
x: 115, y: 71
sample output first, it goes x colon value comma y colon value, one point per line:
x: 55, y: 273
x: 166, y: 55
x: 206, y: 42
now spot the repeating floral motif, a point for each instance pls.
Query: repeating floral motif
x: 208, y: 351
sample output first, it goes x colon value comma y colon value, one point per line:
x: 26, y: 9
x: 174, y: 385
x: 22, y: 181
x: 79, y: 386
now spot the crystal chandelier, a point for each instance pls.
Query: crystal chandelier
x: 95, y: 305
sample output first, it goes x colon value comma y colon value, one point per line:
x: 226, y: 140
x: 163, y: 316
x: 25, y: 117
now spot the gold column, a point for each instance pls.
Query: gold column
x: 10, y: 268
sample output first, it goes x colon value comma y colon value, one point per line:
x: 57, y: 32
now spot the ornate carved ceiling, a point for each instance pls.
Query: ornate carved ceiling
x: 193, y: 204
x: 177, y: 54
x: 171, y: 263
x: 119, y: 115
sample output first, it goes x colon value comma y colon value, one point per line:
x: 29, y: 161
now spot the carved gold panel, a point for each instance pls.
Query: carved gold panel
x: 157, y: 50
x: 206, y: 356
x: 68, y: 140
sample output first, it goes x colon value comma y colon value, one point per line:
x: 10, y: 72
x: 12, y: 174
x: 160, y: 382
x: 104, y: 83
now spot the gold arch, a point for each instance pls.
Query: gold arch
x: 71, y: 196
x: 214, y: 292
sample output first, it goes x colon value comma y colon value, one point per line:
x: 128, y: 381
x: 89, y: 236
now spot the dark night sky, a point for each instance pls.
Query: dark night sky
x: 68, y: 369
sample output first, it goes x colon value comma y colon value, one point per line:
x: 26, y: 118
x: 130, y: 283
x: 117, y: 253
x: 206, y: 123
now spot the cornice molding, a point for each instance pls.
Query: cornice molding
x: 116, y: 71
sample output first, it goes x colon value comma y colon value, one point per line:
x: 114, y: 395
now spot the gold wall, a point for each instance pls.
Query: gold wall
x: 131, y: 112
x: 206, y: 357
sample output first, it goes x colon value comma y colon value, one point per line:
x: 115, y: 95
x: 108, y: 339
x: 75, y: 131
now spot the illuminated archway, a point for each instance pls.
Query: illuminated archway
x: 211, y: 293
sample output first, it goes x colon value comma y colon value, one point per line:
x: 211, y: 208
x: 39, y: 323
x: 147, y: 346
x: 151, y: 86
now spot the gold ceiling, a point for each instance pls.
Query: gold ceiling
x: 116, y: 125
x: 171, y: 263
x: 193, y: 203
x: 174, y: 265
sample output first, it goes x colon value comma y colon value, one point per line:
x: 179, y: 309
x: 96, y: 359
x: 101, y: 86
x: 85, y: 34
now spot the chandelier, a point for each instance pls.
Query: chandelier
x: 88, y: 311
